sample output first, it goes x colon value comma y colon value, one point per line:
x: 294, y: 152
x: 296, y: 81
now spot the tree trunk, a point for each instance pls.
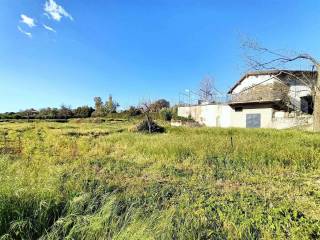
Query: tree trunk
x: 316, y: 111
x: 316, y: 104
x: 149, y: 123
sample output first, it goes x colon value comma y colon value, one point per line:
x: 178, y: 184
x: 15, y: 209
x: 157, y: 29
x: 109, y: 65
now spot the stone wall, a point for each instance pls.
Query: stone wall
x: 268, y: 92
x: 291, y: 122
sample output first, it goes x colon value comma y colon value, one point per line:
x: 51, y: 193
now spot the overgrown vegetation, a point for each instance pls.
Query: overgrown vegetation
x: 101, y: 109
x: 87, y: 180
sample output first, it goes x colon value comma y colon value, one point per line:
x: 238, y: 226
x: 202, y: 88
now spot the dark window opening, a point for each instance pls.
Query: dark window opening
x: 307, y: 104
x: 238, y: 109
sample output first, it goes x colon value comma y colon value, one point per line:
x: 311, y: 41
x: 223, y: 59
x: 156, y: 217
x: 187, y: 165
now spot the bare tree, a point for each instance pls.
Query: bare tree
x: 146, y: 109
x: 206, y: 89
x: 148, y: 124
x: 264, y: 58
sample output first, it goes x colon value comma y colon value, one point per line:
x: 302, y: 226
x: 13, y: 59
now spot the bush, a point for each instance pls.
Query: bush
x: 83, y: 112
x: 133, y: 111
x: 184, y: 119
x: 166, y: 114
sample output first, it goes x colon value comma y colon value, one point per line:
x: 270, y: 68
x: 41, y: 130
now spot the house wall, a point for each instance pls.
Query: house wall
x: 254, y: 80
x: 219, y: 115
x: 238, y: 119
x: 296, y: 88
x: 296, y: 92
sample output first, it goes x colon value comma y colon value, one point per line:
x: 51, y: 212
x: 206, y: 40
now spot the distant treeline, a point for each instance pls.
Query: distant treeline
x: 101, y: 109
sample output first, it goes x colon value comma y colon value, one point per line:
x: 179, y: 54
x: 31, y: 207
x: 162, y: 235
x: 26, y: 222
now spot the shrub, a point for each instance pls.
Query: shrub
x: 83, y: 112
x: 144, y: 127
x: 166, y: 114
x: 180, y: 118
x: 133, y: 111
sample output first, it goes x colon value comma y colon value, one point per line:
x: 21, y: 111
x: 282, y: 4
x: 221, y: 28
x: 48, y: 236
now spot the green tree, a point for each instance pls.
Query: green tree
x: 159, y: 104
x: 65, y: 112
x: 83, y: 112
x: 111, y: 106
x: 99, y: 108
x: 133, y: 111
x: 29, y: 113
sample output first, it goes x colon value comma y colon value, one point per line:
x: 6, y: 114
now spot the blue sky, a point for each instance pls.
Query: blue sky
x: 55, y: 52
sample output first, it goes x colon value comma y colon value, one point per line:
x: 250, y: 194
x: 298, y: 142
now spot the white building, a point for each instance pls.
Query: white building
x: 264, y: 99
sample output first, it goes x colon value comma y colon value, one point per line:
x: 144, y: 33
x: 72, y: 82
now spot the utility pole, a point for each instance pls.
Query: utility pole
x: 189, y: 96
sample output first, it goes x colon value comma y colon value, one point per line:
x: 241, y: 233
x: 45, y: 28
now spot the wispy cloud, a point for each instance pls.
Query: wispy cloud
x: 27, y: 20
x: 28, y: 34
x: 56, y: 11
x: 49, y: 28
x: 47, y: 15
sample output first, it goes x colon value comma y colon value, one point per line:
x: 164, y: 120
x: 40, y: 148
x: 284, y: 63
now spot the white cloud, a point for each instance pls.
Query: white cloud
x: 55, y: 11
x: 28, y: 34
x: 49, y: 28
x: 27, y: 20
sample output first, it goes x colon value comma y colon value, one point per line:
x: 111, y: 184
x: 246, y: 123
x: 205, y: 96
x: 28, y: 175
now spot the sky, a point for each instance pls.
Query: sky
x: 55, y: 52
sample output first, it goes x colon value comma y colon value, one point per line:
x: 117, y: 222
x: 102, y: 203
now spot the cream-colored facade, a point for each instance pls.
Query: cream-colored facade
x: 222, y: 115
x: 212, y: 115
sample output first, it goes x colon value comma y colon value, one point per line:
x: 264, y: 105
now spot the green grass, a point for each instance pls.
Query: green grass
x: 86, y: 180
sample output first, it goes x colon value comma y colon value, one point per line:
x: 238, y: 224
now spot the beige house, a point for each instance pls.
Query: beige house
x: 263, y: 99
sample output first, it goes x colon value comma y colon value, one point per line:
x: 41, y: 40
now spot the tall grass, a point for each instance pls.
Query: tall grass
x: 100, y: 181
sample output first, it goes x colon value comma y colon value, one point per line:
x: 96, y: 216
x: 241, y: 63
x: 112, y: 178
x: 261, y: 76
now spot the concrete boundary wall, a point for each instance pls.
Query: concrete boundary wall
x: 211, y: 115
x: 222, y: 115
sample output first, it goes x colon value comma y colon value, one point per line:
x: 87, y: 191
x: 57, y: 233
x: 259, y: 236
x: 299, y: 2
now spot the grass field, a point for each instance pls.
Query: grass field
x: 101, y: 181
